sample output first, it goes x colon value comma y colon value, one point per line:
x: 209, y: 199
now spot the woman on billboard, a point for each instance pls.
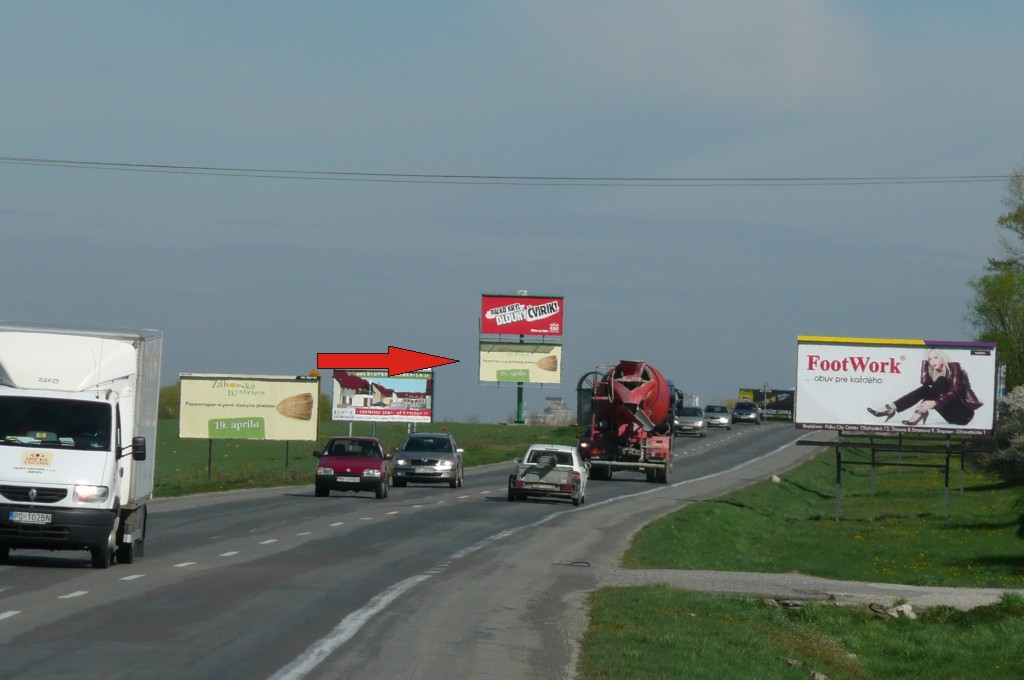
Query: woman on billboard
x: 945, y: 388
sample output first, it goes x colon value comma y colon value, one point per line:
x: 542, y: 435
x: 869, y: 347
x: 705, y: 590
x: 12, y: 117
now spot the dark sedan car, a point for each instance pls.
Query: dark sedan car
x: 429, y: 457
x: 352, y: 464
x: 746, y: 412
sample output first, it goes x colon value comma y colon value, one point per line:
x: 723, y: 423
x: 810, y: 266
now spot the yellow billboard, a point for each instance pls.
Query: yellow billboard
x: 280, y: 408
x: 521, y: 362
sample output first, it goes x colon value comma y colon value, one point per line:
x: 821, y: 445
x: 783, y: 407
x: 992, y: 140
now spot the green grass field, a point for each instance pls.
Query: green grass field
x: 892, y: 530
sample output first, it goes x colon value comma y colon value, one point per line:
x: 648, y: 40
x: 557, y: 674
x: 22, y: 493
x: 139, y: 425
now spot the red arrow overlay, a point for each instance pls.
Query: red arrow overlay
x: 396, y: 360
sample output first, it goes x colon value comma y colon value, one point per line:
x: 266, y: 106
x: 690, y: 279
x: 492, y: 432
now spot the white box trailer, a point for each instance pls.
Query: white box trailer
x: 78, y: 417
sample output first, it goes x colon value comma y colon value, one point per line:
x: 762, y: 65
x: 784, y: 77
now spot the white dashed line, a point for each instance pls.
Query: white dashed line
x: 363, y: 519
x: 304, y: 533
x: 465, y: 496
x: 77, y: 593
x: 483, y: 492
x: 8, y: 614
x: 132, y: 577
x: 184, y: 564
x: 336, y: 524
x: 229, y: 554
x: 393, y: 512
x: 268, y: 541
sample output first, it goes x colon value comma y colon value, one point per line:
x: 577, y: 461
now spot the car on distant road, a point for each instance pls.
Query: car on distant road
x: 549, y: 471
x: 352, y: 464
x: 718, y: 416
x: 746, y: 412
x: 428, y: 457
x: 690, y: 420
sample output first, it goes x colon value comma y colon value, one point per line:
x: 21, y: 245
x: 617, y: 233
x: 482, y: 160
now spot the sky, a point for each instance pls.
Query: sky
x: 355, y: 175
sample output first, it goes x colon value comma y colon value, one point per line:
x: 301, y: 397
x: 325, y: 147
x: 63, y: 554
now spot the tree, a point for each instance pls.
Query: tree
x: 997, y: 311
x: 997, y: 315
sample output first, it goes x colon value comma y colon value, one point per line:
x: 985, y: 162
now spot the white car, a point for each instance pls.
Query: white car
x: 550, y: 470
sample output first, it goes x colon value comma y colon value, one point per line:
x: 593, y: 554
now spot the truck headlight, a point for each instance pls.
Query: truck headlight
x: 90, y: 494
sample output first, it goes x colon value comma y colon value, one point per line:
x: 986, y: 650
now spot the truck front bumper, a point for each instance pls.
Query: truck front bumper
x: 47, y: 528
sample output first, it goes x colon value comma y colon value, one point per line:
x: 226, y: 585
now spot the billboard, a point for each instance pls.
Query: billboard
x: 775, y: 404
x: 521, y: 362
x: 373, y: 395
x: 281, y: 408
x: 521, y: 315
x: 878, y: 385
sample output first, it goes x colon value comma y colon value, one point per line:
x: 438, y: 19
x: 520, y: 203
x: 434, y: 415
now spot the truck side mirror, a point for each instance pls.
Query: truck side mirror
x: 138, y: 448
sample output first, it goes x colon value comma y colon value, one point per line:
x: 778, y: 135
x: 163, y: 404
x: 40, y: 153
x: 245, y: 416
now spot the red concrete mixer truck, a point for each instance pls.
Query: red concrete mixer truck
x: 625, y: 411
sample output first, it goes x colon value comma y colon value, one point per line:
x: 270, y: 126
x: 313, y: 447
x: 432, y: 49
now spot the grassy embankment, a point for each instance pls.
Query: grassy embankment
x: 899, y: 534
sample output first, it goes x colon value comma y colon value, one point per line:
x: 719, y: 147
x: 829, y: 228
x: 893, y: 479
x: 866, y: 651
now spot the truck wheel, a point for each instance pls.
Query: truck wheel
x: 576, y: 501
x: 663, y: 474
x: 126, y: 553
x: 102, y: 556
x: 651, y: 475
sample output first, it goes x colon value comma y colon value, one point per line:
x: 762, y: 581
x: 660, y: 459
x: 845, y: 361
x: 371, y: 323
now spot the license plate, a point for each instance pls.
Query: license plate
x: 538, y: 485
x: 30, y: 517
x: 424, y: 470
x: 348, y: 480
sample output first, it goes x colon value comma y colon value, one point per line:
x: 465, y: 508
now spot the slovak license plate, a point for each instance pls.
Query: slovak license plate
x: 22, y: 517
x: 423, y: 470
x: 348, y: 480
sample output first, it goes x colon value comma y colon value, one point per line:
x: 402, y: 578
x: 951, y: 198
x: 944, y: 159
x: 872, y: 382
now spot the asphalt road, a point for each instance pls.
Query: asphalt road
x: 429, y: 583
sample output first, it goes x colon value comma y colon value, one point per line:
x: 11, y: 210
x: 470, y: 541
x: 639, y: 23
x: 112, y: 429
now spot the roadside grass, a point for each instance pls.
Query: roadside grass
x: 188, y: 466
x: 892, y: 529
x: 656, y: 632
x: 897, y: 534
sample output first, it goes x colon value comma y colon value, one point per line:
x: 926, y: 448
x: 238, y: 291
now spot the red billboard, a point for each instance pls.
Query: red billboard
x: 521, y: 315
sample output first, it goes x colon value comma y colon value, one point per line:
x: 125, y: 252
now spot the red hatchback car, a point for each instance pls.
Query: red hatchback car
x: 352, y: 464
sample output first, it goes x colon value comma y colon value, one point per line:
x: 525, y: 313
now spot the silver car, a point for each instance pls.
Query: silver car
x: 690, y: 420
x: 428, y: 457
x: 718, y: 416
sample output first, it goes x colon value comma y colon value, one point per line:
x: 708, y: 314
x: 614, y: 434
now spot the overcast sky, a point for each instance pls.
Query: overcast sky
x: 710, y: 281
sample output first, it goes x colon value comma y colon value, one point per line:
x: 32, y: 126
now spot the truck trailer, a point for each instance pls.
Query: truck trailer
x: 78, y: 417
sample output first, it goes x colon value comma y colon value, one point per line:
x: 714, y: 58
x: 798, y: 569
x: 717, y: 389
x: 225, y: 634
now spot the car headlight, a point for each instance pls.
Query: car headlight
x: 324, y: 471
x: 445, y: 464
x: 90, y: 494
x: 371, y: 473
x: 400, y: 461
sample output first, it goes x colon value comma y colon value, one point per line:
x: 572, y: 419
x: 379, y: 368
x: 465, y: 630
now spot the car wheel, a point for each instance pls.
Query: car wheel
x: 462, y: 474
x: 321, y: 491
x: 512, y: 495
x: 382, y: 489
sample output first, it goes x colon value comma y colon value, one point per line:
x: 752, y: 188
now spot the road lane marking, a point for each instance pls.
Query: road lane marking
x: 77, y: 593
x: 343, y: 632
x: 9, y: 614
x: 268, y: 541
x: 304, y: 533
x: 231, y: 553
x: 393, y: 512
x: 132, y: 577
x: 184, y: 564
x: 336, y: 524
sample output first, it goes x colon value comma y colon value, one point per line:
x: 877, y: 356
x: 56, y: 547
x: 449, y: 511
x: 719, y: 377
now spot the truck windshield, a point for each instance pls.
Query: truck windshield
x: 55, y: 423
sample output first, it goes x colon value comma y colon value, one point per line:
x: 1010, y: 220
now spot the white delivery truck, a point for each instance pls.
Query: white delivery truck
x: 78, y: 416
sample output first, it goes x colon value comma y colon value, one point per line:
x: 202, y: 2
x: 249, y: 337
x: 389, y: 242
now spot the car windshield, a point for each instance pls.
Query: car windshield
x: 715, y: 409
x: 55, y: 423
x: 550, y: 458
x: 690, y: 411
x: 349, y: 447
x: 432, y: 444
x: 744, y: 406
